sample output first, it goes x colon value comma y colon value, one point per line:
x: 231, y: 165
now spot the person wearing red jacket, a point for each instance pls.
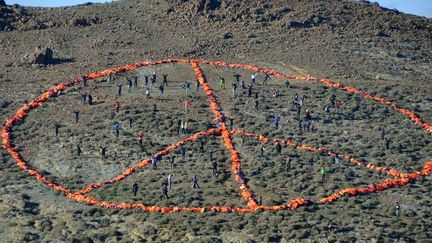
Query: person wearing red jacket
x: 117, y: 105
x: 186, y: 104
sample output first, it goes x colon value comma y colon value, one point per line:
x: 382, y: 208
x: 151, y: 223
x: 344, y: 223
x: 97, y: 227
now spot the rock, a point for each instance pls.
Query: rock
x: 206, y: 5
x: 5, y: 104
x: 43, y: 225
x: 197, y: 6
x: 400, y: 55
x: 83, y: 22
x: 34, y: 25
x: 227, y: 35
x: 41, y: 55
x: 31, y: 237
x: 78, y: 22
x: 169, y: 10
x: 381, y: 33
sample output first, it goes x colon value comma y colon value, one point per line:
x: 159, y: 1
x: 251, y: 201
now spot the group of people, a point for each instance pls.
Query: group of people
x: 238, y: 82
x: 167, y: 186
x: 183, y: 127
x: 298, y: 104
x: 305, y: 124
x: 87, y: 99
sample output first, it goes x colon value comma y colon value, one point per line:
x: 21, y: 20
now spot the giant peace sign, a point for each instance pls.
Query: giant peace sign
x: 398, y: 179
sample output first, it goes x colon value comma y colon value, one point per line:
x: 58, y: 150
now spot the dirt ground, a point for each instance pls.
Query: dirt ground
x: 376, y: 50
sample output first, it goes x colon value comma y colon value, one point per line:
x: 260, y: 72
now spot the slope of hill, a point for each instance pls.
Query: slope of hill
x: 377, y: 50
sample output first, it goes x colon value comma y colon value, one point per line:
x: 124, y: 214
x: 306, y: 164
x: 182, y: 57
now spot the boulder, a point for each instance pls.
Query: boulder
x: 79, y: 22
x: 41, y: 55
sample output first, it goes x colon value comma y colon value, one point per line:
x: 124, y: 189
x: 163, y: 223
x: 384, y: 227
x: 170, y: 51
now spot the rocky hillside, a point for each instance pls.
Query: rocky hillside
x: 381, y: 51
x: 329, y: 37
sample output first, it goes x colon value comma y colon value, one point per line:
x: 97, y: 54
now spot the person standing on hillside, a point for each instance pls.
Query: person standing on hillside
x: 311, y: 163
x: 266, y: 78
x: 165, y: 79
x: 242, y: 85
x: 146, y: 80
x: 109, y: 79
x: 214, y: 168
x: 336, y: 159
x: 233, y: 88
x: 129, y: 84
x: 323, y: 172
x: 261, y: 150
x: 172, y: 161
x: 117, y: 128
x: 187, y: 88
x: 276, y: 121
x: 250, y: 90
x: 210, y: 154
x: 295, y: 101
x: 387, y: 143
x: 195, y: 181
x: 84, y: 81
x: 237, y: 77
x: 77, y: 116
x: 56, y: 127
x: 308, y: 126
x: 183, y: 153
x: 90, y: 99
x: 135, y: 78
x: 382, y: 133
x: 154, y: 162
x: 83, y: 98
x: 181, y: 127
x: 397, y: 210
x: 139, y: 138
x: 153, y: 78
x: 186, y: 127
x: 278, y: 148
x: 186, y: 105
x: 119, y: 89
x: 169, y: 181
x: 161, y: 90
x: 253, y: 78
x: 230, y: 123
x: 307, y: 115
x: 288, y: 164
x: 78, y: 150
x: 256, y: 104
x: 197, y: 85
x: 201, y: 148
x: 221, y: 82
x: 117, y: 105
x: 298, y: 112
x: 333, y: 101
x: 147, y: 93
x: 165, y: 191
x: 103, y: 151
x: 135, y: 189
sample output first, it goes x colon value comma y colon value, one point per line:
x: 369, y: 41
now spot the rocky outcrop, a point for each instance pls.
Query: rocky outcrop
x: 41, y: 55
